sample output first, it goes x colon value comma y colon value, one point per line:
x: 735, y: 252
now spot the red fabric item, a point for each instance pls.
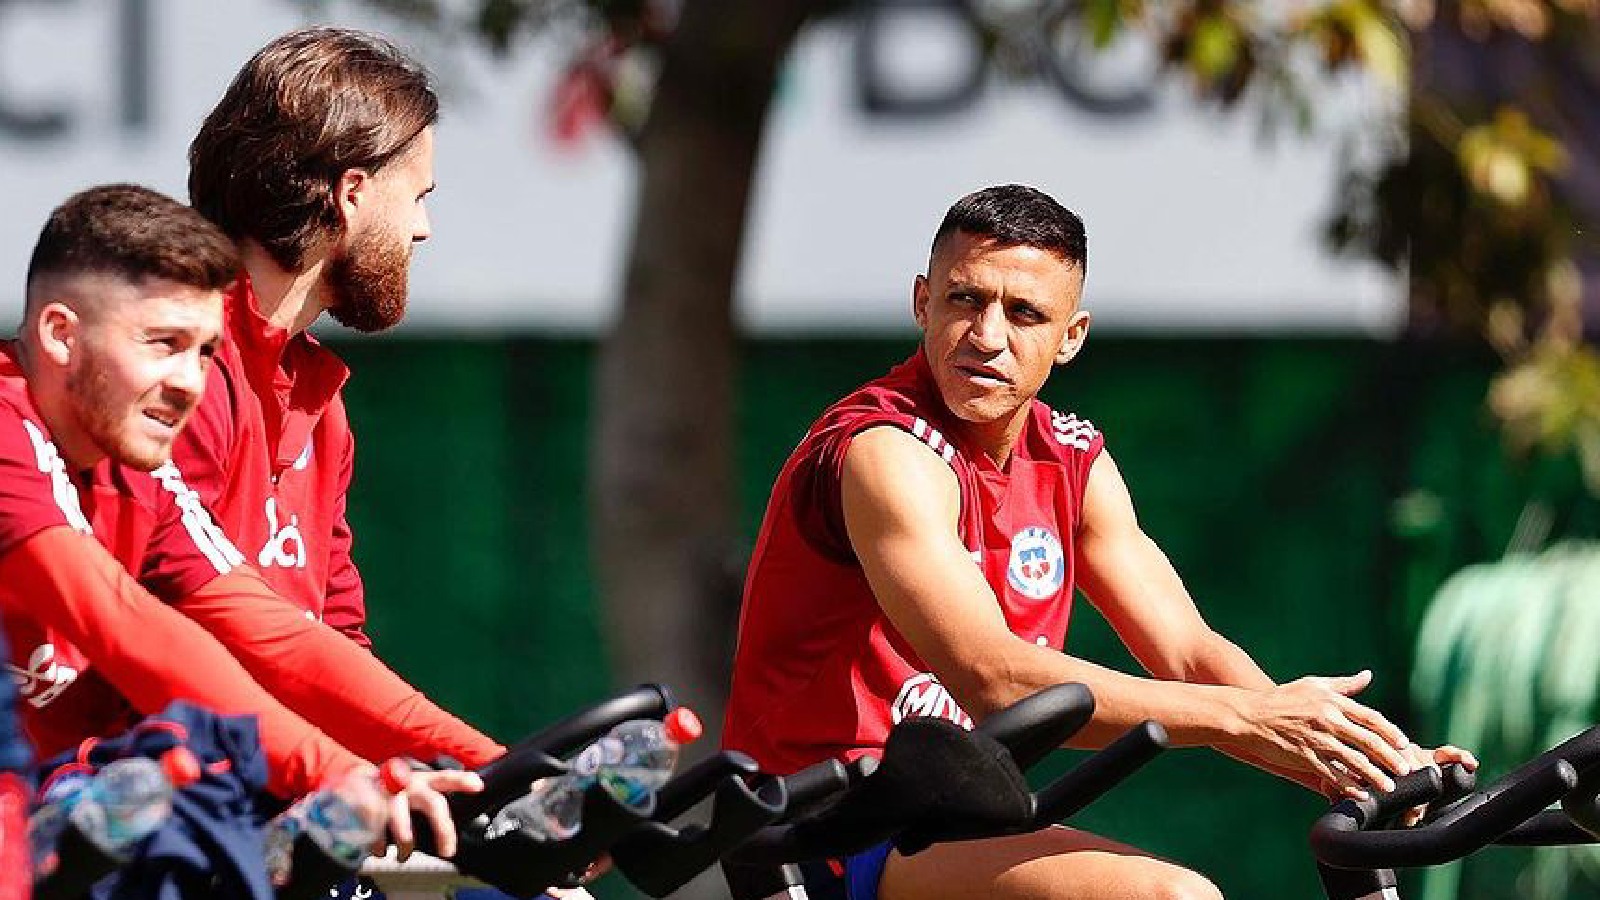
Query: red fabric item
x: 270, y: 452
x: 820, y: 672
x: 16, y: 866
x: 138, y: 517
x: 324, y: 677
x: 151, y: 653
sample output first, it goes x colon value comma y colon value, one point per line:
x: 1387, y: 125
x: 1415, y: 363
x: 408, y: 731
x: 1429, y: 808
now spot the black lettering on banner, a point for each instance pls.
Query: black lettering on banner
x: 1038, y: 39
x: 30, y: 125
x: 133, y: 73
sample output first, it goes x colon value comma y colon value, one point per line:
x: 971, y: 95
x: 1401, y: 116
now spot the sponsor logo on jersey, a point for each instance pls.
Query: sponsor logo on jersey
x: 44, y: 679
x: 1071, y: 431
x: 303, y: 460
x: 1038, y: 566
x: 923, y: 695
x: 286, y: 547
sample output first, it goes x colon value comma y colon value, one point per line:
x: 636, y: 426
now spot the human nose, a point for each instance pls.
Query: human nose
x: 423, y: 229
x: 988, y: 331
x: 189, y: 375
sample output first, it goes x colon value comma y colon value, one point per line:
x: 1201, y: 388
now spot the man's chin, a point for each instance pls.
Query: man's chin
x: 143, y: 455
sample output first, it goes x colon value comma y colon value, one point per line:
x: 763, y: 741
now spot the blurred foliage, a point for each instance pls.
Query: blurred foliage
x: 1464, y: 196
x: 1506, y: 665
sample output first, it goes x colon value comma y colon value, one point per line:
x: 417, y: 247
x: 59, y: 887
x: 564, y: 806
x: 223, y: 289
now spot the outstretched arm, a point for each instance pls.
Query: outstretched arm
x: 327, y: 678
x: 153, y: 655
x: 901, y: 505
x: 1309, y: 731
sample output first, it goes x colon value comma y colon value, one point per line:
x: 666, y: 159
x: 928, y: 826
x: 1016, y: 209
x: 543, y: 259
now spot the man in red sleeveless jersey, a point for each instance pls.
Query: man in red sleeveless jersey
x: 919, y: 556
x: 122, y: 319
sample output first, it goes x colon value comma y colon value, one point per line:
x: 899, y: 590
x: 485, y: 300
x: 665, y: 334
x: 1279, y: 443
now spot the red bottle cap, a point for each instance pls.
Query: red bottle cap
x: 683, y: 726
x: 180, y: 766
x: 394, y: 775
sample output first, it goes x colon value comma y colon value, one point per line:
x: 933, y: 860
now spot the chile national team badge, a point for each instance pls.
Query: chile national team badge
x: 1038, y: 566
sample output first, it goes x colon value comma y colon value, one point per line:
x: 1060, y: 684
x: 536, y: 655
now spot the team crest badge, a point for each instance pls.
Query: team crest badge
x: 1038, y: 567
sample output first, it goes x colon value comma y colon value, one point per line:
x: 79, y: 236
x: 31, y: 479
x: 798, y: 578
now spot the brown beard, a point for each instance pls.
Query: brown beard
x: 369, y: 282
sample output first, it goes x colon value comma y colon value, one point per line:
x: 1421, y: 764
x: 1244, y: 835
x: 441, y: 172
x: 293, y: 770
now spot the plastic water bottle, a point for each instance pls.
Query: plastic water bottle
x: 344, y: 819
x: 631, y: 762
x: 115, y: 808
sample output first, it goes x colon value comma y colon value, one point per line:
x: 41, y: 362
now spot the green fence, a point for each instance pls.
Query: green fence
x: 1267, y: 469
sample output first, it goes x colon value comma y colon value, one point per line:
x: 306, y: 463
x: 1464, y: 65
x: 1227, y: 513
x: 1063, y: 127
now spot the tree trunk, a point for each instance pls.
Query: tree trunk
x: 666, y: 553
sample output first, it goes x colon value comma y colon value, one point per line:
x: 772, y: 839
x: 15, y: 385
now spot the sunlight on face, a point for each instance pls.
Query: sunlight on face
x: 995, y: 320
x: 139, y: 366
x: 368, y: 278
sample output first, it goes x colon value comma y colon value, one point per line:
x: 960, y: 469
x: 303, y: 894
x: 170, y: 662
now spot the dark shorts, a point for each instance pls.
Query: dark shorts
x: 853, y: 878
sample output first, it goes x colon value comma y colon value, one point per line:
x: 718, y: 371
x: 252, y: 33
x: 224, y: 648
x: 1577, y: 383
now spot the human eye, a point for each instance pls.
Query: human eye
x: 1028, y: 314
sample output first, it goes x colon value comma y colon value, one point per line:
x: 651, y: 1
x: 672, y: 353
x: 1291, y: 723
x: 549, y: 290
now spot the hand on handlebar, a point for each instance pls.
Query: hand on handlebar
x: 1438, y: 757
x: 1311, y: 731
x: 424, y: 793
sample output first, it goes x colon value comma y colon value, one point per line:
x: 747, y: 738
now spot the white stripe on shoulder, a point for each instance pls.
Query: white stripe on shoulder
x: 203, y: 530
x: 922, y: 431
x: 61, y: 486
x: 1071, y: 431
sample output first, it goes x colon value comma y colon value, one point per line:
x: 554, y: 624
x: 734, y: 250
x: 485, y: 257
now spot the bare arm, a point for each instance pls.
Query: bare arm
x: 901, y: 506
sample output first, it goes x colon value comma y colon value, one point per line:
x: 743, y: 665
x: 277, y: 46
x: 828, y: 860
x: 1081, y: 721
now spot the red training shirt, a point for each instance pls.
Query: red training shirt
x: 820, y: 672
x: 91, y: 649
x: 271, y: 453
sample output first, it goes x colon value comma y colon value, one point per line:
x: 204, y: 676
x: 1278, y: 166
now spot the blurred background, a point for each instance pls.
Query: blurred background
x: 1343, y: 270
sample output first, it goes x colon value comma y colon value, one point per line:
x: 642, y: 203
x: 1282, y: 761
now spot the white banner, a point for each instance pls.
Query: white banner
x: 1195, y: 222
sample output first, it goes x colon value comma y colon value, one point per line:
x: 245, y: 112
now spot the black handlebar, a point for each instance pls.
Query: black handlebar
x: 911, y: 800
x: 515, y: 862
x: 1338, y: 838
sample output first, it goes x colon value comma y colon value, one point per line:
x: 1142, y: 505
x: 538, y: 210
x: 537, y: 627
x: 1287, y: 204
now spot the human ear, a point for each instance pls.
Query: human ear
x: 919, y: 301
x: 56, y: 331
x: 351, y: 195
x: 1072, y: 341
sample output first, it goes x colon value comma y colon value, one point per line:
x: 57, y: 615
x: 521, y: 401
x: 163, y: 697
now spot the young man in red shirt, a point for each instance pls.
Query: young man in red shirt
x: 919, y: 556
x: 122, y: 319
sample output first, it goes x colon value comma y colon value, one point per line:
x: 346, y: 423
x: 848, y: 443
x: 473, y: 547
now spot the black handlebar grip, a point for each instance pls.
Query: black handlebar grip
x: 1550, y: 828
x: 1459, y: 781
x: 698, y: 781
x: 1041, y: 722
x: 1337, y: 838
x: 1100, y: 773
x: 814, y: 784
x: 1414, y: 789
x: 659, y: 859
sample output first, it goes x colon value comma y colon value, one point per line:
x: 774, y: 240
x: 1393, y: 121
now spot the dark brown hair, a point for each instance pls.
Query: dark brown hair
x: 1014, y: 215
x: 133, y: 233
x: 310, y: 106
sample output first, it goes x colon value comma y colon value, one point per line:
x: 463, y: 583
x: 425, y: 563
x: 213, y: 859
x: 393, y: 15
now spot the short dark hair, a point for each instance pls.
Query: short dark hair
x: 309, y: 106
x: 133, y: 233
x: 1015, y: 215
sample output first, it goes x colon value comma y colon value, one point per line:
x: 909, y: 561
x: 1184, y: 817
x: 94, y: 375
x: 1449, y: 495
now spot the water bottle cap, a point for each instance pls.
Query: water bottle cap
x: 683, y: 726
x: 394, y: 775
x: 180, y: 766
